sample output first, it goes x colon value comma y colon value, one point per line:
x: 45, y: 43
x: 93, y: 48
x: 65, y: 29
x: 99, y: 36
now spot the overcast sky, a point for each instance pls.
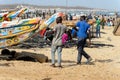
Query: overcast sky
x: 104, y: 4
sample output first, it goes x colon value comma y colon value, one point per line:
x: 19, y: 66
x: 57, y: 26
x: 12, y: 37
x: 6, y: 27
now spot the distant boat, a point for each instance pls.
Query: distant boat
x: 8, y: 16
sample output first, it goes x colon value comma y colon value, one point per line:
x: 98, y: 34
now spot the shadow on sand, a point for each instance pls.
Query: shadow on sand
x: 103, y: 32
x: 63, y: 61
x: 90, y: 63
x: 97, y: 45
x: 5, y: 64
x: 46, y: 79
x: 69, y: 63
x: 104, y: 61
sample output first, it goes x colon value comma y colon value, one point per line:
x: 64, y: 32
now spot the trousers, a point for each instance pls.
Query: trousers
x: 80, y: 46
x: 59, y: 52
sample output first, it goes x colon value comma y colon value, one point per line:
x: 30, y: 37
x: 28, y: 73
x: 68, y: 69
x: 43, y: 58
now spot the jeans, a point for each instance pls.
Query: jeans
x: 80, y: 47
x: 98, y: 33
x: 59, y: 50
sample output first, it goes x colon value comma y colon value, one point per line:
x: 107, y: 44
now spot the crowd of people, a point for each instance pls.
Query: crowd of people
x: 60, y: 35
x: 38, y: 13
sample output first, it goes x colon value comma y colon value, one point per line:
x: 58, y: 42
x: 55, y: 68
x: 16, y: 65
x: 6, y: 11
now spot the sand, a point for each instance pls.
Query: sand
x: 105, y: 65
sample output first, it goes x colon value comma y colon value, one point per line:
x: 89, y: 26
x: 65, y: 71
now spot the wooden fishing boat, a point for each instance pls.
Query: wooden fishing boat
x: 12, y: 33
x: 8, y: 16
x: 15, y: 32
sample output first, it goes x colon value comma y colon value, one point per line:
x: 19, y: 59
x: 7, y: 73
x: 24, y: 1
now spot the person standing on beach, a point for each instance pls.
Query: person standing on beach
x: 102, y: 22
x: 83, y: 28
x: 98, y: 35
x: 59, y: 30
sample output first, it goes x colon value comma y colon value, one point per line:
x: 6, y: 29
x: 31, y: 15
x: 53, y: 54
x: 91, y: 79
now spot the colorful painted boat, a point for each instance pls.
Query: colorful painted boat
x: 2, y: 16
x: 8, y: 16
x: 15, y: 32
x: 50, y: 20
x: 12, y: 33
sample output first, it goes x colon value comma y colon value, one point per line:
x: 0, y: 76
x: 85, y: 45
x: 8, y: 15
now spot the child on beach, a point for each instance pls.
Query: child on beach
x: 64, y: 39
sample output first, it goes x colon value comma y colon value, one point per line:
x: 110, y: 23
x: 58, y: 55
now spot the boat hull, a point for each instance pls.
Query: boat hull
x: 14, y: 32
x: 11, y: 34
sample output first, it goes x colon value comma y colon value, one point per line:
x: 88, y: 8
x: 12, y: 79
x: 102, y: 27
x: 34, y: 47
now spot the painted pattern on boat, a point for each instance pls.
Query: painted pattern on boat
x: 14, y: 32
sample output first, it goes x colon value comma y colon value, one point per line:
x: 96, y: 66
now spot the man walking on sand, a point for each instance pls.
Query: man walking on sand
x: 83, y: 28
x: 59, y: 30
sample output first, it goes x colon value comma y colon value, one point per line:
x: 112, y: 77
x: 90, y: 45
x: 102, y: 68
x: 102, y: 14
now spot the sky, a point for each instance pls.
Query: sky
x: 103, y: 4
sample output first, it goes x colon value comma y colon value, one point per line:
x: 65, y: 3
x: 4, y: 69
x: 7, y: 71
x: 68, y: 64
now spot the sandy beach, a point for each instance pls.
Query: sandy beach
x: 105, y: 52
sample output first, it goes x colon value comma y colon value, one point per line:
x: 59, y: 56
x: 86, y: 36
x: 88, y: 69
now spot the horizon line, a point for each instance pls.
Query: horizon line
x: 52, y: 5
